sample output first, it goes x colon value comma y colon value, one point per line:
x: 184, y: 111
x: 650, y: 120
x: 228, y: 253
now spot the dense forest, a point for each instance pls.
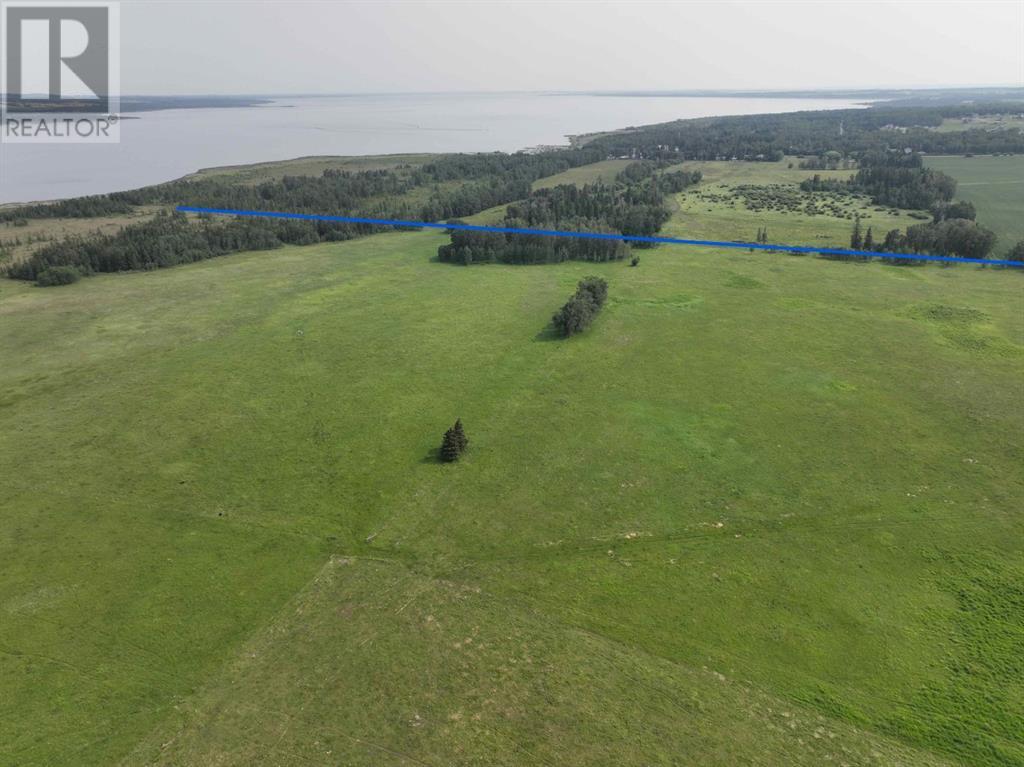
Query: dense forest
x: 812, y: 134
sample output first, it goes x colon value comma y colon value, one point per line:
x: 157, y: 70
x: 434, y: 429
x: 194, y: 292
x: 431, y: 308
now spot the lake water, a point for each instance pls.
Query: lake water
x: 164, y: 145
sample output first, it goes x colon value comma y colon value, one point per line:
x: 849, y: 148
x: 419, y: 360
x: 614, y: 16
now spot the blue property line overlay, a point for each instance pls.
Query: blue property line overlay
x: 595, y: 236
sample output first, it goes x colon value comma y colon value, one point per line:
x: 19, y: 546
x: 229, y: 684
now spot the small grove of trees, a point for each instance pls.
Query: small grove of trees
x: 951, y: 237
x: 454, y: 443
x: 1016, y: 252
x: 957, y: 209
x: 947, y: 237
x: 579, y: 311
x: 633, y: 205
x: 58, y: 275
x: 897, y: 180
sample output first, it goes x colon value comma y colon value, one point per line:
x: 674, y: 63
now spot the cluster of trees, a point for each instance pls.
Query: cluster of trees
x: 762, y: 235
x: 830, y: 160
x: 813, y: 134
x: 633, y: 205
x: 956, y: 209
x: 58, y: 275
x: 859, y: 241
x: 473, y: 247
x: 454, y: 443
x: 634, y: 209
x: 520, y: 166
x: 894, y: 179
x: 950, y: 237
x: 76, y: 207
x: 665, y: 181
x: 901, y: 181
x: 579, y: 311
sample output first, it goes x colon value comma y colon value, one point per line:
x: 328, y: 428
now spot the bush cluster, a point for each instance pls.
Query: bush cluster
x: 58, y: 275
x: 579, y: 311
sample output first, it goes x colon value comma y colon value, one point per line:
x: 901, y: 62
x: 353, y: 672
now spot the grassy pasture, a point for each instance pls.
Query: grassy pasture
x: 996, y: 187
x: 765, y: 511
x: 715, y: 209
x: 605, y: 171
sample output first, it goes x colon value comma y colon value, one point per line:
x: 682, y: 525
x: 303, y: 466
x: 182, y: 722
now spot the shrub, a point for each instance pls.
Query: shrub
x: 634, y: 261
x: 58, y: 275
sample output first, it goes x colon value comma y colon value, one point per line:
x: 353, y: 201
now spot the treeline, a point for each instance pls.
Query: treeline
x: 850, y: 132
x: 498, y: 178
x: 170, y: 239
x: 471, y: 247
x: 893, y: 179
x: 634, y: 205
x: 945, y: 235
x: 949, y: 237
x: 76, y: 207
x: 520, y: 166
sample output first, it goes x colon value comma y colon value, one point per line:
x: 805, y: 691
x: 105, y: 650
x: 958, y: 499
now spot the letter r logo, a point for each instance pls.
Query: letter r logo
x: 57, y: 56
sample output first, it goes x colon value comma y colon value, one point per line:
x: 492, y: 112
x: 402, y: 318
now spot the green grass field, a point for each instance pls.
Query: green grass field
x: 765, y: 511
x: 605, y: 170
x: 711, y: 211
x: 996, y: 187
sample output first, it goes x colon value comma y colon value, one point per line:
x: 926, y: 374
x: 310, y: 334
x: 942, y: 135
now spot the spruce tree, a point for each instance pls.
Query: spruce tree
x: 450, y: 446
x: 869, y: 240
x: 454, y: 443
x: 460, y: 435
x: 855, y: 239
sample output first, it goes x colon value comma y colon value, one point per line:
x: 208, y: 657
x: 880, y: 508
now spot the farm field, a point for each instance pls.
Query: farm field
x: 765, y: 511
x: 996, y: 187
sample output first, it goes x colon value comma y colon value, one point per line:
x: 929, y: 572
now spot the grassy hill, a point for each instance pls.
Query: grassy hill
x: 765, y: 511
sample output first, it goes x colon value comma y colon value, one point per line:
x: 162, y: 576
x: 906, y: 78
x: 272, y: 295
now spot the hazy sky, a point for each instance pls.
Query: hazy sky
x: 240, y: 46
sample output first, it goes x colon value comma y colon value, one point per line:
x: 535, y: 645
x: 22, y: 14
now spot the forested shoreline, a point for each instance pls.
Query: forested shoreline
x: 884, y: 145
